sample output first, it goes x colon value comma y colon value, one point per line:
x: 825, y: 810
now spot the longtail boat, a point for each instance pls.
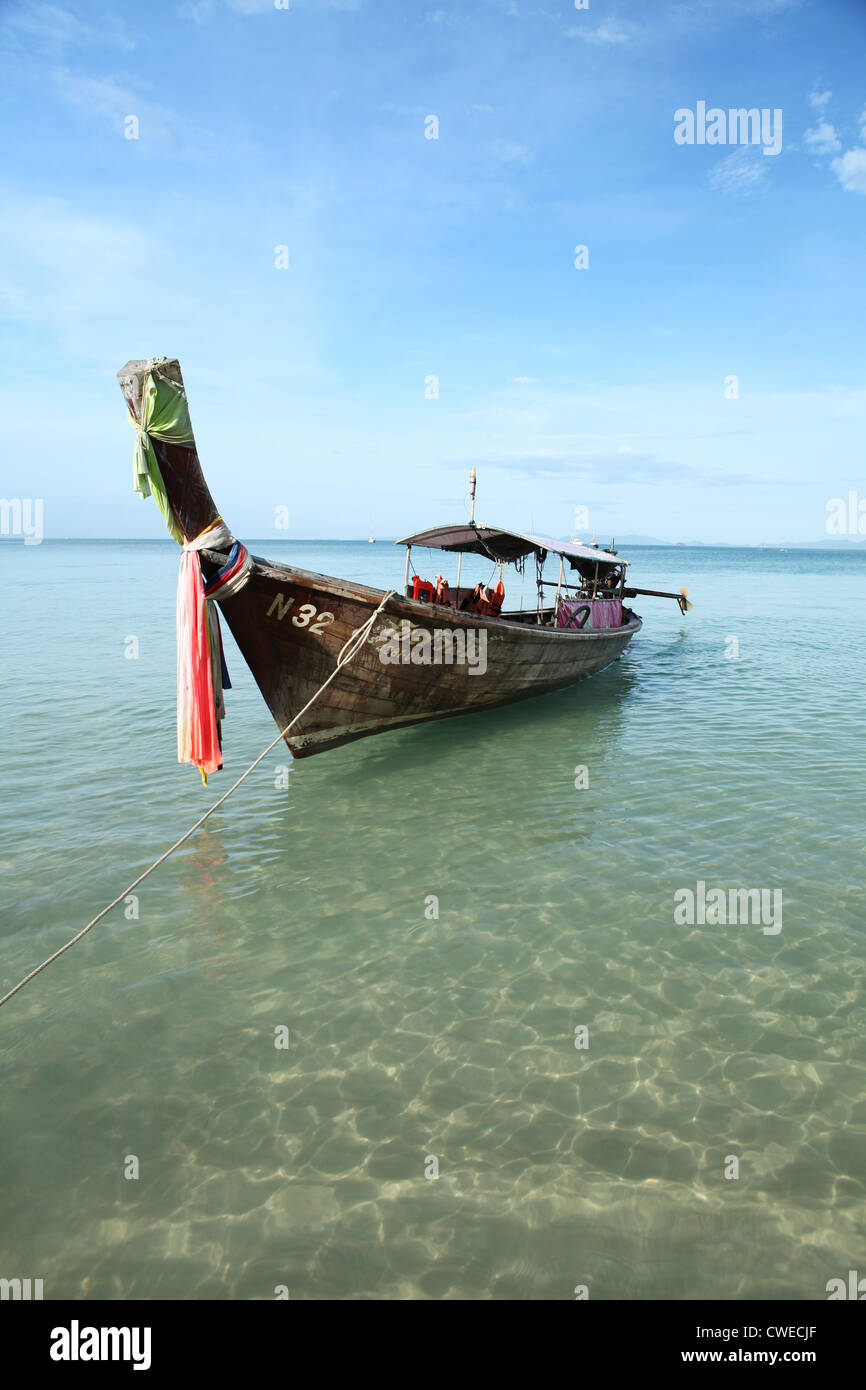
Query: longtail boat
x: 432, y: 651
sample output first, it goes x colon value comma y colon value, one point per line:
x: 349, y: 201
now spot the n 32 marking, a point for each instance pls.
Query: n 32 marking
x: 304, y: 616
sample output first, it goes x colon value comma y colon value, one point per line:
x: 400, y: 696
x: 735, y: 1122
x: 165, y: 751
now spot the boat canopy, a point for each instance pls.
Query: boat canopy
x: 507, y: 546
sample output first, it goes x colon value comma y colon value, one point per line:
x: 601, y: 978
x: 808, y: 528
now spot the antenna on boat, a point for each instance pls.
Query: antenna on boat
x: 471, y: 523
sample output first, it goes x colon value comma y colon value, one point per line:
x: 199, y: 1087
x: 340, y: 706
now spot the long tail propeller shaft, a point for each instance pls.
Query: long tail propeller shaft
x: 682, y: 597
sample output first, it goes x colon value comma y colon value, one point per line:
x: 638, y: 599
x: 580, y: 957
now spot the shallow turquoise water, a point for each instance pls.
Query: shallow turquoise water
x: 304, y: 907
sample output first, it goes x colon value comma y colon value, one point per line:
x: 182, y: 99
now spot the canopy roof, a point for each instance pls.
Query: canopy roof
x: 499, y: 544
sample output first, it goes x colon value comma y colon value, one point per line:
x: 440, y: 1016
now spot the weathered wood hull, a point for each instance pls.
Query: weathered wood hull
x: 291, y: 626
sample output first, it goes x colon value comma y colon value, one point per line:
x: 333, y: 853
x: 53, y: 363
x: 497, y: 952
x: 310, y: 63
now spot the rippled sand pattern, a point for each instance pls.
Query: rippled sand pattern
x: 304, y: 908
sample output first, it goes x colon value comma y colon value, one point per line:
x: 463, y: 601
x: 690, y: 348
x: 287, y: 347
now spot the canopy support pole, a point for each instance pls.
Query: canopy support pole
x: 406, y: 575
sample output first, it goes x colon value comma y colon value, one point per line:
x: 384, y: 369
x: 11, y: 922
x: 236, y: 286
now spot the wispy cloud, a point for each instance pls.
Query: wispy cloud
x: 600, y: 466
x: 105, y: 99
x: 203, y: 11
x: 823, y: 139
x: 198, y: 11
x: 50, y: 29
x: 448, y: 18
x: 850, y: 169
x: 741, y: 172
x: 510, y: 152
x: 609, y: 31
x: 66, y: 271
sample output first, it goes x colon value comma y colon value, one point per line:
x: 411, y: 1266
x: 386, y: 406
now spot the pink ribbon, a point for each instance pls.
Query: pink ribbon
x: 197, y: 732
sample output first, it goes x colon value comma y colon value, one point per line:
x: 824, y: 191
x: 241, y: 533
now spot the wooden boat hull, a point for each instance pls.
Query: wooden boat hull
x: 291, y: 626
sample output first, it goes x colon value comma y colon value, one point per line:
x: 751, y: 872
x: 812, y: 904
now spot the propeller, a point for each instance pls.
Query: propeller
x: 684, y: 599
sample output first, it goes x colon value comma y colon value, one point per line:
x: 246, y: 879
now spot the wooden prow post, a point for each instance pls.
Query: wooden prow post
x: 185, y: 485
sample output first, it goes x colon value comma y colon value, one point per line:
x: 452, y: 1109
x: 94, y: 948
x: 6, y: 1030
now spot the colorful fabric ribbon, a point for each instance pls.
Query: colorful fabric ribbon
x: 197, y: 729
x: 201, y: 670
x: 232, y: 576
x: 164, y: 415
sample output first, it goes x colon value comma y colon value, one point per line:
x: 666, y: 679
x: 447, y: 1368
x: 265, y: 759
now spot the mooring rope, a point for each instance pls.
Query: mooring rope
x: 349, y: 650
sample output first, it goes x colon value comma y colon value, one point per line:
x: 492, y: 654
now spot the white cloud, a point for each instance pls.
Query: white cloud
x: 199, y: 11
x: 512, y: 153
x: 823, y: 139
x: 850, y: 170
x: 48, y: 26
x: 850, y: 167
x: 105, y: 99
x: 51, y: 29
x: 77, y: 275
x: 203, y: 11
x: 610, y: 31
x: 740, y: 172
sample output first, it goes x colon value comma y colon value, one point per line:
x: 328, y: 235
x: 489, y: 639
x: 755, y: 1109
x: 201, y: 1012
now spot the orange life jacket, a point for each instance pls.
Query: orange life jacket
x: 486, y: 602
x: 423, y: 589
x: 495, y: 599
x: 473, y: 603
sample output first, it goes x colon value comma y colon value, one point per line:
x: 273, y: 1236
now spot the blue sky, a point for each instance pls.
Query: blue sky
x: 412, y: 258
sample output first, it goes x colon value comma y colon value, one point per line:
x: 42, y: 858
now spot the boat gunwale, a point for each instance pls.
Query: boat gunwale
x: 350, y: 589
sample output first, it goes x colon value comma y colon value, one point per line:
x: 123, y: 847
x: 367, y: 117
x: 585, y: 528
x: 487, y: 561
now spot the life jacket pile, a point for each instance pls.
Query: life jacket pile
x: 486, y: 602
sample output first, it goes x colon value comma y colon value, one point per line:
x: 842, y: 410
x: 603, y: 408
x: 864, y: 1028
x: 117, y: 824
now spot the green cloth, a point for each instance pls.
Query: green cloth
x: 164, y: 415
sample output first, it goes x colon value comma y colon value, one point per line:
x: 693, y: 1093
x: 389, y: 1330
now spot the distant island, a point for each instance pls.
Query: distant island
x: 826, y: 543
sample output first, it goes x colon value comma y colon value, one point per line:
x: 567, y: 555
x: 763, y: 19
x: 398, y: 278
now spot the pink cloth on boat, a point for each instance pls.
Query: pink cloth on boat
x: 603, y: 613
x: 606, y: 612
x: 197, y: 734
x: 568, y: 613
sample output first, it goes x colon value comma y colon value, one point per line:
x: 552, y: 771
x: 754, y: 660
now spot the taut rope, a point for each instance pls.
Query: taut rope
x: 349, y: 650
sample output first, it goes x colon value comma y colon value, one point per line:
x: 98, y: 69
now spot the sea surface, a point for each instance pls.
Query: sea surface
x: 155, y: 1140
